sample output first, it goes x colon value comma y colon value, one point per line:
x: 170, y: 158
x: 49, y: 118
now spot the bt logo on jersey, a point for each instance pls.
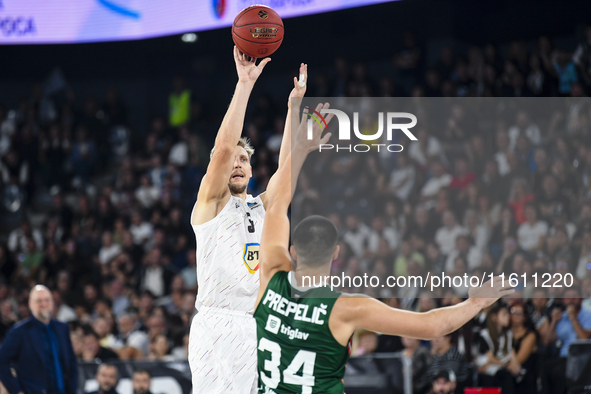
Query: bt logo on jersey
x: 251, y: 256
x: 391, y: 119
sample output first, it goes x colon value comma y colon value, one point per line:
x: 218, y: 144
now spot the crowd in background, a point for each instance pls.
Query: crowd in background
x: 103, y: 221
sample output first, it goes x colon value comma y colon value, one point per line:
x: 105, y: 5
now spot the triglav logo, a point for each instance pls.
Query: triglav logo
x: 345, y: 129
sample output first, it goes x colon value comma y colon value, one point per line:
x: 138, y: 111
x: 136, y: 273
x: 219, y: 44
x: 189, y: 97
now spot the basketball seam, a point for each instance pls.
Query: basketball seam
x: 260, y: 43
x: 259, y: 23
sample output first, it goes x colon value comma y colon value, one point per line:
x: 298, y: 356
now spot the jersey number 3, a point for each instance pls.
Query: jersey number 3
x: 251, y: 224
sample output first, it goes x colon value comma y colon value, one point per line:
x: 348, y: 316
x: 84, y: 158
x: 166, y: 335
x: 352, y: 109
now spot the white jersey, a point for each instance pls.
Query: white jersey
x: 228, y: 256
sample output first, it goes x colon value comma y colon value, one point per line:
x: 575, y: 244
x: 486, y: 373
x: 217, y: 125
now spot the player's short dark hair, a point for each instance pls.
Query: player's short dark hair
x: 314, y: 239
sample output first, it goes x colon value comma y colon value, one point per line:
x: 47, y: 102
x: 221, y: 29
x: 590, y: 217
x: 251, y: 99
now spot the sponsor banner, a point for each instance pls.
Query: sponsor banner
x: 75, y: 21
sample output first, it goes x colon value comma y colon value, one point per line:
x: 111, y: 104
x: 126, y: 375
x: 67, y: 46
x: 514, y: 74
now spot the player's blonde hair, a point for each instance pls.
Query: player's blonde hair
x: 243, y: 142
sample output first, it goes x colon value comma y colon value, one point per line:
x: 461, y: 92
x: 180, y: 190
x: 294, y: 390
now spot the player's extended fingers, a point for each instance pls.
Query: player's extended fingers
x: 304, y: 114
x: 326, y: 138
x: 303, y: 75
x: 263, y: 63
x: 328, y: 118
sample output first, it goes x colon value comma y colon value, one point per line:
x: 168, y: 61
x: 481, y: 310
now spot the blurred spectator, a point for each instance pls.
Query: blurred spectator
x: 566, y: 71
x: 107, y: 378
x: 154, y: 276
x: 421, y: 360
x: 532, y: 233
x: 405, y: 257
x: 407, y: 61
x: 131, y: 343
x: 63, y: 312
x: 189, y: 273
x: 7, y: 317
x: 444, y: 383
x: 93, y: 351
x: 357, y: 235
x: 524, y: 126
x: 465, y: 250
x: 402, y: 178
x: 438, y: 180
x: 109, y: 250
x: 179, y: 103
x: 160, y: 349
x: 147, y: 194
x: 19, y: 238
x: 447, y: 359
x: 426, y: 150
x: 524, y: 347
x: 141, y: 230
x: 496, y: 365
x: 566, y: 325
x: 446, y: 235
x: 82, y: 158
x: 141, y: 382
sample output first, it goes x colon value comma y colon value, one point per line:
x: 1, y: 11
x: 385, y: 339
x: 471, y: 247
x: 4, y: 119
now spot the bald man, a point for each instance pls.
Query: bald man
x: 40, y: 352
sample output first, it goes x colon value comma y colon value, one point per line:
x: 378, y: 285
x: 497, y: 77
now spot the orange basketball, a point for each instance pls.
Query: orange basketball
x: 257, y: 31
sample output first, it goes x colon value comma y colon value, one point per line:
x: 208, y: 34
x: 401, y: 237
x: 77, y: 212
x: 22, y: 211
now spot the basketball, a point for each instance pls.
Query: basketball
x: 257, y: 31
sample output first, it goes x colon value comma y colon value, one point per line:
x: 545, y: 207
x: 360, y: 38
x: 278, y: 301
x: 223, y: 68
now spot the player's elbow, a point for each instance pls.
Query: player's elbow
x: 223, y: 148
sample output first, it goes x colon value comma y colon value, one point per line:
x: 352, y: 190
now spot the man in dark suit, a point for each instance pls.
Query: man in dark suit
x: 40, y: 352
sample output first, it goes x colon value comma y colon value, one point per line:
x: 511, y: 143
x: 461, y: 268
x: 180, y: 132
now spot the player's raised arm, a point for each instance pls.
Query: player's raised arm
x: 293, y: 109
x: 274, y: 255
x: 214, y: 186
x: 373, y: 315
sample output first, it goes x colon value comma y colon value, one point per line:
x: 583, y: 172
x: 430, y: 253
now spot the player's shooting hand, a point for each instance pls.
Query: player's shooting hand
x: 489, y: 292
x: 305, y: 142
x: 299, y: 86
x: 246, y: 67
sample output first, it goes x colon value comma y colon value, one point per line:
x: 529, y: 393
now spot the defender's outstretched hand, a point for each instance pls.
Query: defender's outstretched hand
x: 488, y: 293
x: 246, y: 67
x: 299, y: 85
x: 307, y: 143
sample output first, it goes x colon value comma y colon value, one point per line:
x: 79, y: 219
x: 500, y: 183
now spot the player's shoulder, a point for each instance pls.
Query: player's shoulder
x: 351, y: 303
x: 355, y: 295
x: 255, y: 203
x: 206, y: 215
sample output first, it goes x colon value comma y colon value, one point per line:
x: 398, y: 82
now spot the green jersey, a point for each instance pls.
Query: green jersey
x: 296, y: 350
